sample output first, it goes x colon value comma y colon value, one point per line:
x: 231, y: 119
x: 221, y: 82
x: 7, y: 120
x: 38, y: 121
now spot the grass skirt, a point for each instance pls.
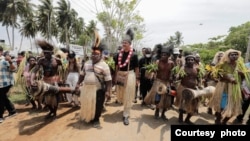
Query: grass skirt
x: 233, y: 106
x: 88, y: 102
x: 165, y: 100
x: 126, y: 94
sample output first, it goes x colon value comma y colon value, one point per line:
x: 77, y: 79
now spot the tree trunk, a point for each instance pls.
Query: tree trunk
x: 7, y: 30
x: 67, y: 38
x: 20, y: 44
x: 37, y: 49
x: 31, y: 47
x: 13, y: 40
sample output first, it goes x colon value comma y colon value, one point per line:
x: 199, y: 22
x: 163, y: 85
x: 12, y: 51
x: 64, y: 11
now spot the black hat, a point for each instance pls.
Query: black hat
x: 71, y: 54
x: 64, y: 50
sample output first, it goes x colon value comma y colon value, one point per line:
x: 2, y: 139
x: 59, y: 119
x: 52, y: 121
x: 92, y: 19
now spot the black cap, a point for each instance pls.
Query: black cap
x: 71, y: 54
x: 64, y: 50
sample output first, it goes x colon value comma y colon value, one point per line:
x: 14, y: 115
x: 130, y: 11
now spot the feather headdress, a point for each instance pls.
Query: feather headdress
x: 97, y: 40
x: 97, y: 43
x: 45, y: 46
x: 129, y: 37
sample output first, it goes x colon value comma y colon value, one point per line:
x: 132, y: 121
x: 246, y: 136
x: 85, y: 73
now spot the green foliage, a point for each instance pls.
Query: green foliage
x: 152, y: 67
x: 207, y: 55
x: 206, y: 51
x: 175, y: 40
x: 238, y: 37
x: 116, y: 17
x: 110, y: 61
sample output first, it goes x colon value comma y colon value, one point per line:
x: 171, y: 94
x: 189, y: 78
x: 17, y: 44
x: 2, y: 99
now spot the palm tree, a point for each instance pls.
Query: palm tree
x: 46, y: 20
x: 88, y: 36
x: 14, y: 9
x: 3, y: 17
x: 171, y: 41
x: 77, y: 28
x: 3, y: 6
x: 178, y: 38
x: 65, y: 17
x: 28, y: 29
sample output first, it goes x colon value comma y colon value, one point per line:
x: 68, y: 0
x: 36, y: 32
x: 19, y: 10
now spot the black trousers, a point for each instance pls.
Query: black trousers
x: 145, y: 86
x: 100, y: 98
x: 5, y: 102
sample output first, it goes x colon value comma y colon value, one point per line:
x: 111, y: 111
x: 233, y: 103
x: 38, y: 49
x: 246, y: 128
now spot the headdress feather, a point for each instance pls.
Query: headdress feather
x: 97, y: 40
x: 130, y: 33
x: 45, y: 45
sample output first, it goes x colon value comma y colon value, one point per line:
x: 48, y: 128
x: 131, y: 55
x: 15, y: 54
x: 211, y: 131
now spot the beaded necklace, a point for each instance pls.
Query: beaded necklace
x: 127, y: 60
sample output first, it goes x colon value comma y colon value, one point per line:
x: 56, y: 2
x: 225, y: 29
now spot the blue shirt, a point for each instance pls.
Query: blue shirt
x: 6, y: 75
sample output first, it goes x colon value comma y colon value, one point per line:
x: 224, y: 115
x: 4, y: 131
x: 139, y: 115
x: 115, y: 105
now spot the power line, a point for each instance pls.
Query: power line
x: 91, y: 6
x: 81, y: 7
x: 84, y: 7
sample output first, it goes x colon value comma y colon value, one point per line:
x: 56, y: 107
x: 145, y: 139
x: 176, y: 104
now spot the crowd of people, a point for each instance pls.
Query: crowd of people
x: 175, y: 80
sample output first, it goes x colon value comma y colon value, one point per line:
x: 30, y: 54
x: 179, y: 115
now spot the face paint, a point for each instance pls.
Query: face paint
x: 95, y: 56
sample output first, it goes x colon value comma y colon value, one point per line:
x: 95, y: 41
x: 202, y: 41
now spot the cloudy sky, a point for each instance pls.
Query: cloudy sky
x: 197, y: 20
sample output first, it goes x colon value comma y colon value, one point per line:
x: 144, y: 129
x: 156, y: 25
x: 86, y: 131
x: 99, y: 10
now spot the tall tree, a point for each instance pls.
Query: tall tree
x: 46, y: 19
x: 116, y: 17
x: 171, y: 41
x: 65, y: 16
x: 238, y: 37
x: 4, y: 19
x: 14, y: 9
x: 178, y: 38
x: 87, y: 36
x: 3, y: 6
x: 28, y: 28
x: 77, y: 28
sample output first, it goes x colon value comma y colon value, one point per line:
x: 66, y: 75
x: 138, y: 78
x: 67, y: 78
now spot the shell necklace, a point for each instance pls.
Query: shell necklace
x: 127, y: 60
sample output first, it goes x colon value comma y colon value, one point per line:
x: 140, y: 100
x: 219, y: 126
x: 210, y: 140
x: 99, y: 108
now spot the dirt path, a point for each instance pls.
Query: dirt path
x: 30, y: 125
